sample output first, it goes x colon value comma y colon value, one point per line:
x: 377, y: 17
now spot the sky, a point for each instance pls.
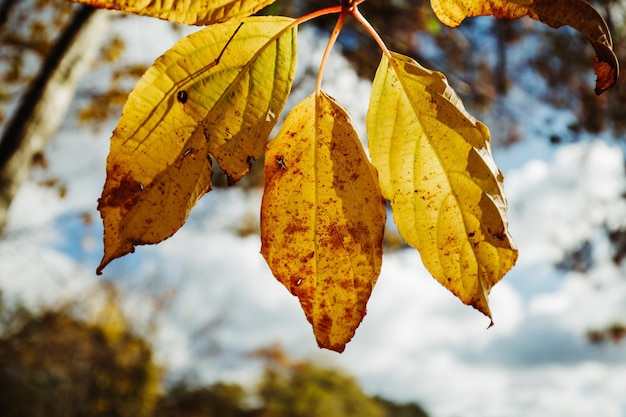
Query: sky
x: 417, y: 342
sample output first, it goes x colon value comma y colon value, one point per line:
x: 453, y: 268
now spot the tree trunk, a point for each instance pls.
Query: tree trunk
x: 45, y: 103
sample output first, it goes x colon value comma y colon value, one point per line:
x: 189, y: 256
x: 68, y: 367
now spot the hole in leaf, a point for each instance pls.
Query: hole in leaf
x: 280, y: 161
x: 182, y: 96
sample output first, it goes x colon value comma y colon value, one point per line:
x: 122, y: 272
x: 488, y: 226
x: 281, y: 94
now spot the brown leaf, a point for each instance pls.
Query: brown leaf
x: 577, y: 14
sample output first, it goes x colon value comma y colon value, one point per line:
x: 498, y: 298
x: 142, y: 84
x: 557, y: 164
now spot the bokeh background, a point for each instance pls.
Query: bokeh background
x: 197, y: 325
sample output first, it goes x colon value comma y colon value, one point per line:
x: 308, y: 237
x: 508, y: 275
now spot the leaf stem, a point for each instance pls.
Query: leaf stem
x: 363, y: 21
x: 329, y: 46
x: 315, y: 14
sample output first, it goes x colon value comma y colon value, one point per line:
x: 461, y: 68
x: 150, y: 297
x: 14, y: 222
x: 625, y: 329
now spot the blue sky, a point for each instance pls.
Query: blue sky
x: 417, y: 341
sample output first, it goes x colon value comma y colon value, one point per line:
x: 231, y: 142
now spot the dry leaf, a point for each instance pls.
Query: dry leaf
x: 578, y: 14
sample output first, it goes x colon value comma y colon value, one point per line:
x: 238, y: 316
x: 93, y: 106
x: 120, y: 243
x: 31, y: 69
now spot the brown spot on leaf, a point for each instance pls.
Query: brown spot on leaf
x: 124, y: 195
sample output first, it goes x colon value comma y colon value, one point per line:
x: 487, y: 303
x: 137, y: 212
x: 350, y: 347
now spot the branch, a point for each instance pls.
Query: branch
x: 44, y: 105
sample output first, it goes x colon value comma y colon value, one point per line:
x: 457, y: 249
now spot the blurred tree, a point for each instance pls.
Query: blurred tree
x: 302, y: 389
x: 26, y: 31
x: 218, y: 400
x: 393, y: 409
x: 287, y: 389
x: 56, y: 365
x: 53, y: 364
x: 306, y: 390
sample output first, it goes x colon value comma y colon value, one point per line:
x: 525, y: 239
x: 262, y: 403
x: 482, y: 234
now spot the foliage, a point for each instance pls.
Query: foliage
x: 287, y: 388
x: 217, y: 400
x: 400, y: 409
x: 56, y: 365
x: 302, y: 389
x: 218, y: 93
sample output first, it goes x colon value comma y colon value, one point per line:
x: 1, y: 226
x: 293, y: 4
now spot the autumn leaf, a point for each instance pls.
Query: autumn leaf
x: 578, y: 14
x: 436, y: 169
x: 190, y: 12
x: 322, y: 218
x: 217, y: 92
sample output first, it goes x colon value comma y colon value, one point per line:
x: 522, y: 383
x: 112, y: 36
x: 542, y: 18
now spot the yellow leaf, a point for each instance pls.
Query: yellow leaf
x: 217, y: 92
x: 190, y: 12
x: 578, y: 14
x: 436, y: 169
x: 322, y: 218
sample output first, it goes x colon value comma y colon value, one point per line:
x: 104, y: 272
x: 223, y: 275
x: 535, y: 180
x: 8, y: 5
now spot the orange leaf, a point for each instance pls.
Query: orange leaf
x: 322, y: 218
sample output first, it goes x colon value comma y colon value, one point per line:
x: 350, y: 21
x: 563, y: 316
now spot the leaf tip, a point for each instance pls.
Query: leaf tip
x: 338, y: 347
x: 107, y: 258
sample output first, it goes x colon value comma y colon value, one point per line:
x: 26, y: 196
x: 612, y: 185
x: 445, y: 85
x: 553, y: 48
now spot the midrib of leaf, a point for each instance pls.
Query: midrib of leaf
x: 354, y: 192
x: 420, y: 117
x: 316, y: 194
x: 319, y: 111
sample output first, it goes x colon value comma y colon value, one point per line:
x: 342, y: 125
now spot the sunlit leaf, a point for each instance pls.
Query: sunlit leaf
x: 436, y: 169
x: 322, y: 218
x: 217, y: 92
x: 556, y: 13
x: 191, y: 12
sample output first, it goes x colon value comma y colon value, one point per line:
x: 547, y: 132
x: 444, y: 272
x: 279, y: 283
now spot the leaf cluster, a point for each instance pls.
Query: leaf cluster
x: 217, y: 94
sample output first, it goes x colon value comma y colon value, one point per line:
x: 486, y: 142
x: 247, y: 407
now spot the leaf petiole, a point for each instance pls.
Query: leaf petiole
x: 315, y: 14
x: 370, y: 29
x: 329, y: 46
